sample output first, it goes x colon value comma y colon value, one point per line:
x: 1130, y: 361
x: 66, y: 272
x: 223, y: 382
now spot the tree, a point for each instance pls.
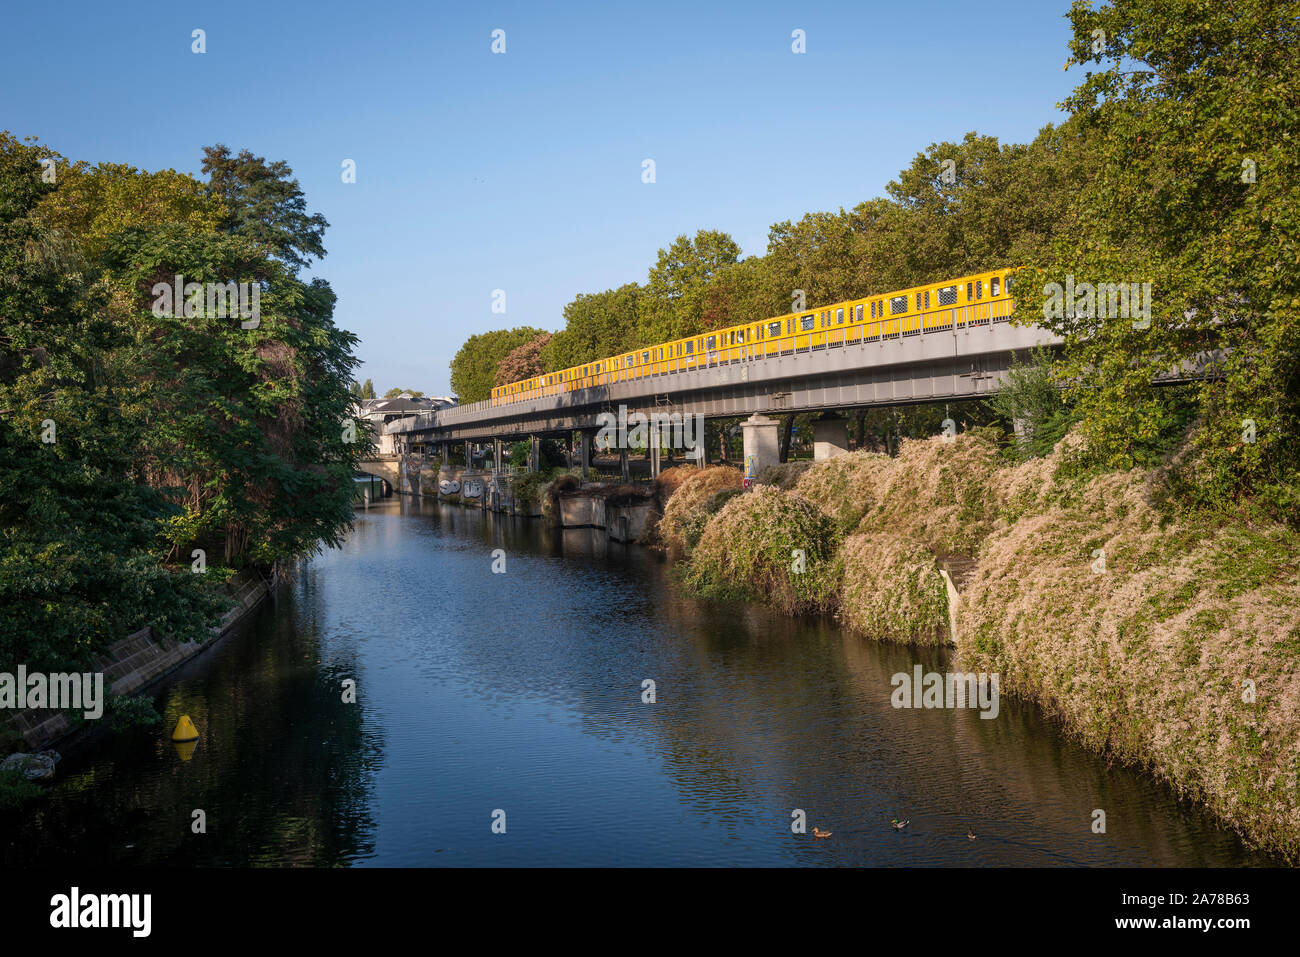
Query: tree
x: 79, y: 552
x: 474, y: 367
x: 95, y: 203
x: 523, y: 361
x: 673, y: 305
x: 367, y: 390
x: 1191, y: 113
x: 394, y: 393
x: 264, y: 203
x: 596, y: 326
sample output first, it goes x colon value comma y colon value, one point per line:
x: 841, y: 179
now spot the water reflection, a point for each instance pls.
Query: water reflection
x: 523, y: 692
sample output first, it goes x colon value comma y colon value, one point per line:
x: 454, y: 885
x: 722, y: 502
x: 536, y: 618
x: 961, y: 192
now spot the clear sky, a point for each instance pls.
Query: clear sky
x: 479, y: 171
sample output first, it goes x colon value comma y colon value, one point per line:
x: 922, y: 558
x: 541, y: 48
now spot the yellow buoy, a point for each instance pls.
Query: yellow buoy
x: 185, y: 730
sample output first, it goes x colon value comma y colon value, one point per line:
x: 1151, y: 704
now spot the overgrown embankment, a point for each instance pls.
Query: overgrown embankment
x: 1171, y: 644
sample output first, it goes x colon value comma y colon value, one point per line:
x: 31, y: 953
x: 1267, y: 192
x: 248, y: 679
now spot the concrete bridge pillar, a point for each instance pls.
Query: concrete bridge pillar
x: 534, y: 454
x: 623, y: 466
x: 496, y: 456
x: 654, y: 440
x: 762, y: 446
x: 830, y: 438
x: 584, y: 450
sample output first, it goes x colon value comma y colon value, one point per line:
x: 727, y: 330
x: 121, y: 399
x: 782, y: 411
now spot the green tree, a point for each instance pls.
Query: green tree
x: 474, y: 367
x: 674, y: 302
x: 79, y: 549
x: 1191, y: 108
x: 264, y: 203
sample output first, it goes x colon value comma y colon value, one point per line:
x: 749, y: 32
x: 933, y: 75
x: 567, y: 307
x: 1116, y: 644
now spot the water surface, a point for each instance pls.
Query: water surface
x: 522, y: 692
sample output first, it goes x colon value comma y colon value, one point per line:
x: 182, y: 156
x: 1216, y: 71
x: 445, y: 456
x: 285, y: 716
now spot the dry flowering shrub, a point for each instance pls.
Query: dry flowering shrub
x: 940, y: 494
x: 847, y: 486
x: 670, y: 480
x: 892, y: 590
x: 770, y: 545
x: 693, y: 493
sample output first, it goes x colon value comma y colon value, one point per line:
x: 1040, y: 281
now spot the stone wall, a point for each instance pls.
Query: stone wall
x: 139, y: 660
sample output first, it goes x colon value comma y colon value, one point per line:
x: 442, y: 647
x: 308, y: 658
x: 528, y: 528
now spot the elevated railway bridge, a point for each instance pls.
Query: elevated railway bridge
x: 818, y: 372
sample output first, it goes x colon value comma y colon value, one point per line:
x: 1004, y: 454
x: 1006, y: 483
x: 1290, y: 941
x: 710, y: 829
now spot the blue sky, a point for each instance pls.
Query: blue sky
x: 522, y: 171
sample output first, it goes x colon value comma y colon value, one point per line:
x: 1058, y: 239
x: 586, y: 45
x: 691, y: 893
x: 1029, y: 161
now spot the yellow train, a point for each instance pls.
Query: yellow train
x: 969, y: 301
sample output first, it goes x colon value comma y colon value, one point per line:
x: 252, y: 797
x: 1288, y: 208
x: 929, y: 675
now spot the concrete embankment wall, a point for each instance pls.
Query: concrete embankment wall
x: 138, y: 661
x: 586, y: 507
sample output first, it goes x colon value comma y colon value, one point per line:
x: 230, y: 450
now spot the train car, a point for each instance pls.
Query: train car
x: 954, y: 304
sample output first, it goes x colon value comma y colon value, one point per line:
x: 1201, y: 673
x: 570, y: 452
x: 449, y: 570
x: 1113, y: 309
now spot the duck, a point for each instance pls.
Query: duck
x: 970, y: 834
x: 818, y: 832
x: 899, y: 825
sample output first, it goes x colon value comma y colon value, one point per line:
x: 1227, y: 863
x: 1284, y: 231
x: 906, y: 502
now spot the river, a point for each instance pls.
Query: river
x: 521, y: 692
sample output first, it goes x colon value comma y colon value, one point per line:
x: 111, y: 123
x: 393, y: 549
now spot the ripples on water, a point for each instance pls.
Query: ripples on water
x: 522, y: 692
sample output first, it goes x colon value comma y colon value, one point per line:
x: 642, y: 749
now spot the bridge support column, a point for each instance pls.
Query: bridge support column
x: 654, y: 440
x: 830, y: 438
x: 534, y: 454
x: 584, y: 450
x: 623, y: 466
x: 1024, y: 430
x: 762, y: 446
x: 496, y: 456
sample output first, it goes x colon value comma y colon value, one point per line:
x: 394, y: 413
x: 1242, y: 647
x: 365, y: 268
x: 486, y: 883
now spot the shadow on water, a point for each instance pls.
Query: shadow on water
x: 522, y: 692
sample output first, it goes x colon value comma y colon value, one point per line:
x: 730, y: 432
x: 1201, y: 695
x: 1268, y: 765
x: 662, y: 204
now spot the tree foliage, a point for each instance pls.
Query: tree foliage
x: 264, y: 203
x: 1191, y: 109
x: 129, y: 434
x: 474, y: 367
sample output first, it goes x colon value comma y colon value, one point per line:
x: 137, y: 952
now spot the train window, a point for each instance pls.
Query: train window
x: 740, y: 335
x: 584, y: 372
x: 645, y: 357
x: 918, y: 302
x: 839, y: 317
x: 1008, y: 284
x: 711, y: 342
x: 629, y: 360
x: 979, y: 289
x: 807, y: 322
x: 948, y: 296
x: 857, y: 313
x: 927, y: 299
x: 994, y: 286
x: 690, y: 348
x: 970, y: 290
x: 897, y: 304
x: 774, y: 328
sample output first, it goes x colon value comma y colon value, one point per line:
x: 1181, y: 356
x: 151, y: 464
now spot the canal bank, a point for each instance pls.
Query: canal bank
x: 1166, y: 641
x: 523, y: 691
x: 134, y: 664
